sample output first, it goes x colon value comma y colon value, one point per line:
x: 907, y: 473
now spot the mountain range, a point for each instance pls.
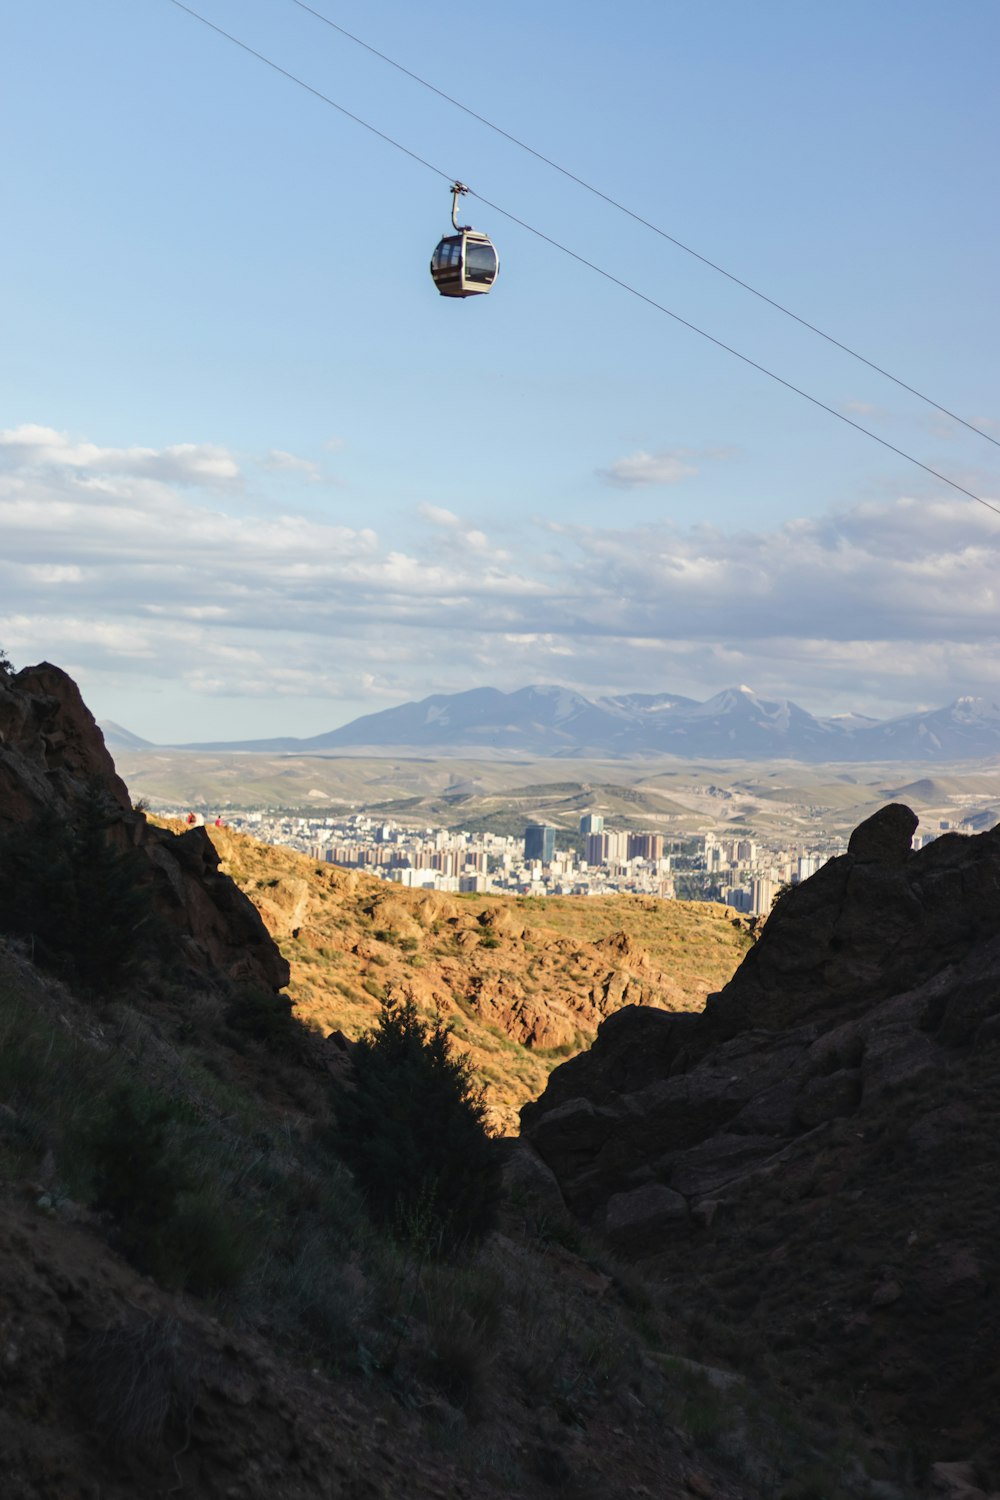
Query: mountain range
x: 736, y: 724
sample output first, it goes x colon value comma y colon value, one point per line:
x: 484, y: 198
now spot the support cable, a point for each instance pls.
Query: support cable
x: 646, y: 223
x: 589, y: 264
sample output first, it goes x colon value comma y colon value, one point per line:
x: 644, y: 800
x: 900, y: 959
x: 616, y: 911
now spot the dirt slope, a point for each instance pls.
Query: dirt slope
x: 525, y: 983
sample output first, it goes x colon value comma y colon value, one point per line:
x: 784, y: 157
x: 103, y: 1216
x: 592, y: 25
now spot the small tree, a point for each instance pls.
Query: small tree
x: 413, y: 1132
x: 6, y: 665
x: 75, y: 896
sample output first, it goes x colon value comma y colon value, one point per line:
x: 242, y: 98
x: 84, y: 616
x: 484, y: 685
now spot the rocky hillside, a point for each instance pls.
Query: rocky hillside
x: 811, y: 1163
x: 193, y: 1298
x: 56, y: 774
x: 523, y: 983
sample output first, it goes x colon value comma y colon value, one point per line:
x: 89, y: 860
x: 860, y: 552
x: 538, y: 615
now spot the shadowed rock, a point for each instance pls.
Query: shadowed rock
x: 841, y: 1091
x: 886, y: 837
x: 862, y: 976
x: 53, y: 760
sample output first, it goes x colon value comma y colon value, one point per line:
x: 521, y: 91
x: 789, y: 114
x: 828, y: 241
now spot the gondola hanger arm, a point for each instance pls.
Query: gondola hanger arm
x: 458, y: 190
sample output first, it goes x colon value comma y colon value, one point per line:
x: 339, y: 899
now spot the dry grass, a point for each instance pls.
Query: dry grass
x: 524, y: 980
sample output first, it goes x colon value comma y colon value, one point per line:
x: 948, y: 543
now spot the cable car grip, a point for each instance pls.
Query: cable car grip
x: 458, y: 189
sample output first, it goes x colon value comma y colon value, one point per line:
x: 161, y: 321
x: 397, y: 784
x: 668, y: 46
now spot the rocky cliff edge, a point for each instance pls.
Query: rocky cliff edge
x: 53, y: 760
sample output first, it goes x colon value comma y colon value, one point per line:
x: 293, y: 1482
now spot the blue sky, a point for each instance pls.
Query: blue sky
x: 256, y: 476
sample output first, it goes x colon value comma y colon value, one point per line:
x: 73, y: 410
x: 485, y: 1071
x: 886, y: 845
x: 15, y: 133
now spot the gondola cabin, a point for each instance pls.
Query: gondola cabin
x: 465, y: 263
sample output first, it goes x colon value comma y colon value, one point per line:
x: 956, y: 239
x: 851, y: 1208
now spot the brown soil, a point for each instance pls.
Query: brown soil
x: 524, y: 983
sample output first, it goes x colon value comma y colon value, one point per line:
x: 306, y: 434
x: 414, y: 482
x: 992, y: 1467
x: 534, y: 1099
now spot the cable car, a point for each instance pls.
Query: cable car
x: 465, y: 263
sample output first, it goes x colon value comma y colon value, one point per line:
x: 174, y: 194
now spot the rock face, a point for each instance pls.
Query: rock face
x: 50, y: 747
x: 886, y: 837
x: 53, y: 760
x: 853, y: 1062
x: 864, y: 981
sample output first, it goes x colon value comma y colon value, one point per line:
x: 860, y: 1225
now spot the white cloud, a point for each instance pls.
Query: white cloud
x: 278, y: 461
x: 182, y: 463
x: 669, y: 466
x: 113, y: 569
x: 52, y: 573
x: 437, y: 515
x: 464, y: 534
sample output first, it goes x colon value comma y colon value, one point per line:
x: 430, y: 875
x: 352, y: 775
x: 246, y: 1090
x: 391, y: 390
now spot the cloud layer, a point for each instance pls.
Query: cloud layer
x: 157, y: 563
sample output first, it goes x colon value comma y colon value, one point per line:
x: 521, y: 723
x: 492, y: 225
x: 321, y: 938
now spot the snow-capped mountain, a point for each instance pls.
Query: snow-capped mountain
x: 735, y: 724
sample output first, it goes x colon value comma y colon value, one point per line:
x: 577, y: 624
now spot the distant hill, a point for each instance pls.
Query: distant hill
x: 117, y: 738
x: 736, y: 724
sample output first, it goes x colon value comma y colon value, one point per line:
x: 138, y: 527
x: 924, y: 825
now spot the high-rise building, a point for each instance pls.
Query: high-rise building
x: 762, y: 894
x: 645, y: 846
x: 539, y: 842
x: 617, y: 847
x: 597, y: 849
x: 591, y: 823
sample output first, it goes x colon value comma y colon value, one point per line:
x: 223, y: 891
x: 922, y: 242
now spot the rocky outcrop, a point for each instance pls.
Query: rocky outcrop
x: 864, y: 981
x: 217, y: 925
x: 815, y: 1144
x: 51, y: 751
x: 53, y: 760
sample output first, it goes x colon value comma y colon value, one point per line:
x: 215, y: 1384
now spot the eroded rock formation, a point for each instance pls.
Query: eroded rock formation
x: 863, y: 981
x: 815, y: 1145
x: 53, y: 760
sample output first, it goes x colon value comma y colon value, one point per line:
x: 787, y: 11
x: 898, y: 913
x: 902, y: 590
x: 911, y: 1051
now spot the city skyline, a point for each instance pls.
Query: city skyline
x: 742, y: 873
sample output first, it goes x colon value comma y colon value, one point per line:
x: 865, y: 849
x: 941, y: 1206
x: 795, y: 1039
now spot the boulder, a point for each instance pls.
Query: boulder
x: 886, y: 837
x: 530, y: 1184
x: 638, y: 1220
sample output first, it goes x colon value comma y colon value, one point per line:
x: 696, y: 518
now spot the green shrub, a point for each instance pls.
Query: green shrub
x: 138, y: 1170
x: 265, y: 1016
x: 170, y: 1223
x: 412, y: 1131
x: 205, y: 1248
x: 77, y: 898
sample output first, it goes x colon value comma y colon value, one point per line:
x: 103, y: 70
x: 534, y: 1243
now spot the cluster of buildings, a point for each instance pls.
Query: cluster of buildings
x: 439, y: 859
x: 738, y: 872
x: 594, y: 861
x: 747, y: 876
x: 599, y: 861
x: 741, y: 872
